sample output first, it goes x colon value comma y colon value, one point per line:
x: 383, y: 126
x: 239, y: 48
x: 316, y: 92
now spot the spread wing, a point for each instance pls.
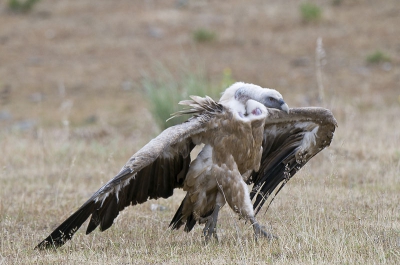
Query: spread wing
x: 290, y: 141
x: 153, y: 172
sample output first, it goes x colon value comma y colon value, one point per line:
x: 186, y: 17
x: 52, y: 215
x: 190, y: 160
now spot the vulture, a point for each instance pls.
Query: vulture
x: 250, y: 136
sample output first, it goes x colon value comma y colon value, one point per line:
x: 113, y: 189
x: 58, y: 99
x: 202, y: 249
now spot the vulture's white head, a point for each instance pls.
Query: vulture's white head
x: 239, y: 93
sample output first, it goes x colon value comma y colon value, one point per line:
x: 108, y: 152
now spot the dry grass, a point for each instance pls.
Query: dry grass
x: 62, y: 63
x: 342, y: 208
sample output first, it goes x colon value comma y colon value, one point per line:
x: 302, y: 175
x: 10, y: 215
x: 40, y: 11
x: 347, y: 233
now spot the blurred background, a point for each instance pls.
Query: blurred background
x: 103, y: 63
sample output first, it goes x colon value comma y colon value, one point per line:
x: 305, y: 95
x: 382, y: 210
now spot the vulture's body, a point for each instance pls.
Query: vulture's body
x: 249, y: 136
x: 219, y: 172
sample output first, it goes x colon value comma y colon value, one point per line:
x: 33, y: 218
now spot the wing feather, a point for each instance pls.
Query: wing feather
x: 153, y: 172
x: 290, y: 141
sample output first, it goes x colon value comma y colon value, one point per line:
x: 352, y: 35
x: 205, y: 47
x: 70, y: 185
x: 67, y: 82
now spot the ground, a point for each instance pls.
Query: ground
x: 72, y: 111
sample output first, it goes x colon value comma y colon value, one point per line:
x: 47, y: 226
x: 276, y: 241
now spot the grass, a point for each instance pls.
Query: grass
x: 310, y: 12
x: 378, y: 56
x: 164, y: 92
x: 342, y: 208
x: 21, y: 6
x: 204, y: 35
x: 323, y: 216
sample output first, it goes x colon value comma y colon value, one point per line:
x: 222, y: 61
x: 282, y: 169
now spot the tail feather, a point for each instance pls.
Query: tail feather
x: 67, y: 229
x: 177, y: 221
x: 189, y: 222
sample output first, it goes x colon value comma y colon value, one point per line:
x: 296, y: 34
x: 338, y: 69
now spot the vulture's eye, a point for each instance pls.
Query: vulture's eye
x: 271, y: 99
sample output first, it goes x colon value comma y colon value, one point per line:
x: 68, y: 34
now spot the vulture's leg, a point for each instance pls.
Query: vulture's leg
x: 210, y: 226
x: 210, y: 221
x: 238, y: 197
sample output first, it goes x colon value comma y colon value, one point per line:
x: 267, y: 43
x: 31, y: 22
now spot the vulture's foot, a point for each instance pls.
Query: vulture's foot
x: 210, y: 230
x: 260, y: 233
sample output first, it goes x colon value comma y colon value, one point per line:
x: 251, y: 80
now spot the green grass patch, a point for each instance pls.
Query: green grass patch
x: 378, y: 57
x: 204, y: 35
x: 310, y: 12
x: 164, y: 92
x: 19, y: 6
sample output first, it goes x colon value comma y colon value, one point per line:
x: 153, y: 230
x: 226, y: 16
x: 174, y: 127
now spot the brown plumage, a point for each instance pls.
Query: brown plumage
x: 218, y: 173
x: 233, y: 131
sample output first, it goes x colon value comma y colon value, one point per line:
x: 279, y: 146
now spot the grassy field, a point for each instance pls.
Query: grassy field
x: 73, y: 110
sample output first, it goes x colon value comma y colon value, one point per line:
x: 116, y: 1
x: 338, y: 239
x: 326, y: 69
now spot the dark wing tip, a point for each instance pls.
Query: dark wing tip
x: 47, y: 244
x: 50, y: 243
x: 68, y: 228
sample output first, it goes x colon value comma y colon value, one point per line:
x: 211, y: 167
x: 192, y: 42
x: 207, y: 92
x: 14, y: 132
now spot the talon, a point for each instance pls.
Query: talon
x: 259, y: 232
x: 210, y: 230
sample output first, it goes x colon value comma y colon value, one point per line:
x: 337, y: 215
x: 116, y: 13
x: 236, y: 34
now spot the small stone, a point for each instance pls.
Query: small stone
x: 127, y: 85
x: 36, y: 97
x: 387, y: 66
x: 24, y: 125
x: 5, y: 115
x: 156, y: 33
x: 157, y: 207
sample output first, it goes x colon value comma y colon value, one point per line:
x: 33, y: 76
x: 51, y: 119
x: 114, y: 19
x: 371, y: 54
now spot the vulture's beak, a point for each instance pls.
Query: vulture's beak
x: 284, y: 106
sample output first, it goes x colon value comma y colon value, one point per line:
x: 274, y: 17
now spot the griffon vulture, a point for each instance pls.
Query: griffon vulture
x: 250, y: 137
